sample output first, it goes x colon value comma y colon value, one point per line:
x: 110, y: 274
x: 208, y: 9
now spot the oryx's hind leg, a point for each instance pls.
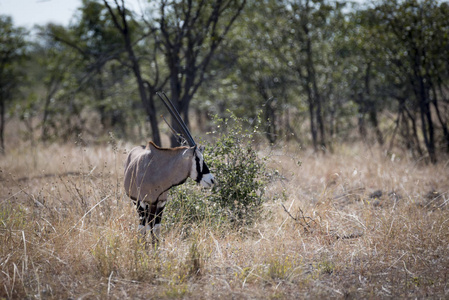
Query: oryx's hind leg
x: 143, y: 209
x: 160, y: 205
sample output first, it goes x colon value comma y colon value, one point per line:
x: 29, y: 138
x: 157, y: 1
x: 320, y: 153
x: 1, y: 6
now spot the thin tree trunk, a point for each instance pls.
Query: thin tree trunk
x: 312, y: 117
x: 398, y: 119
x: 440, y: 118
x: 372, y: 109
x: 314, y: 95
x: 422, y: 95
x: 415, y: 131
x: 45, y: 118
x: 426, y: 122
x: 361, y: 116
x: 175, y: 94
x: 270, y: 121
x: 319, y: 115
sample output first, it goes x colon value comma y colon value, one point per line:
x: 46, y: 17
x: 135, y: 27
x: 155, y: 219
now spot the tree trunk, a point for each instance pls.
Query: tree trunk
x: 151, y: 113
x: 148, y: 103
x: 319, y: 116
x: 421, y: 90
x: 147, y: 100
x: 270, y: 121
x: 175, y: 98
x: 190, y: 44
x: 313, y: 92
x: 372, y: 109
x: 312, y: 117
x: 415, y: 132
x: 52, y: 88
x: 45, y: 118
x: 426, y: 120
x: 361, y: 116
x: 440, y: 118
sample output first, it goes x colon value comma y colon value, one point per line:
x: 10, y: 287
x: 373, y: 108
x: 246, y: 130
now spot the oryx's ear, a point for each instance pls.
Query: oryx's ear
x: 201, y: 148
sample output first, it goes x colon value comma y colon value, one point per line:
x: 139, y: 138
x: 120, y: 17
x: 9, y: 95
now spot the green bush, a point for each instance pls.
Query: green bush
x: 239, y: 171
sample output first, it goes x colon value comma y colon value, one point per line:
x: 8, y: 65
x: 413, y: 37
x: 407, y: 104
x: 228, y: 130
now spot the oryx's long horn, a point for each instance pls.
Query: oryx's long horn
x: 174, y: 112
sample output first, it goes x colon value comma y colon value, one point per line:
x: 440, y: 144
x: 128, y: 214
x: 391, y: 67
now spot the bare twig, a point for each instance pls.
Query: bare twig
x: 288, y: 213
x: 300, y: 219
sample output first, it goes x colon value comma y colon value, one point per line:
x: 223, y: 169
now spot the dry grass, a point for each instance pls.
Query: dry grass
x: 359, y: 225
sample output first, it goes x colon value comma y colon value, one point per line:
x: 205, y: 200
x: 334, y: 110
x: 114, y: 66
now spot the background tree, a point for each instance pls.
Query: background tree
x: 191, y: 32
x: 417, y: 48
x: 78, y: 75
x: 12, y: 54
x: 307, y: 19
x: 127, y: 28
x: 56, y: 60
x: 258, y: 41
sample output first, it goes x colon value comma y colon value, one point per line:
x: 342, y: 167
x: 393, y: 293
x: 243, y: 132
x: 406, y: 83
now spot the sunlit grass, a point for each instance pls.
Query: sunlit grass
x: 356, y: 223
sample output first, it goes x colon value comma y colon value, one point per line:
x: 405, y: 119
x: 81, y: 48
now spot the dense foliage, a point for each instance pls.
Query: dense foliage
x: 322, y: 71
x: 241, y: 175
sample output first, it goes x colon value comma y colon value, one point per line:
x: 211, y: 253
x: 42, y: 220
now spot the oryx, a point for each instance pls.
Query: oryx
x: 150, y: 171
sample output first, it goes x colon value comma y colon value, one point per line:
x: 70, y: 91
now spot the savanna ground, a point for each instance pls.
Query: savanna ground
x: 353, y: 224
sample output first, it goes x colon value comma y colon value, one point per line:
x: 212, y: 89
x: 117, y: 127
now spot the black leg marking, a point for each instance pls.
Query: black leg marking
x: 159, y: 212
x: 152, y: 214
x: 160, y: 204
x: 144, y: 213
x: 152, y: 219
x: 156, y: 230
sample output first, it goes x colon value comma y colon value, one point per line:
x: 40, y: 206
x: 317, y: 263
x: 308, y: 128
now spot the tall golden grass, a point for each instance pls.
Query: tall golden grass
x: 352, y: 224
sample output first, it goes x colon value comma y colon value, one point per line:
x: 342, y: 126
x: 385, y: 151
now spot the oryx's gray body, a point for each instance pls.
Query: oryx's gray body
x: 150, y: 171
